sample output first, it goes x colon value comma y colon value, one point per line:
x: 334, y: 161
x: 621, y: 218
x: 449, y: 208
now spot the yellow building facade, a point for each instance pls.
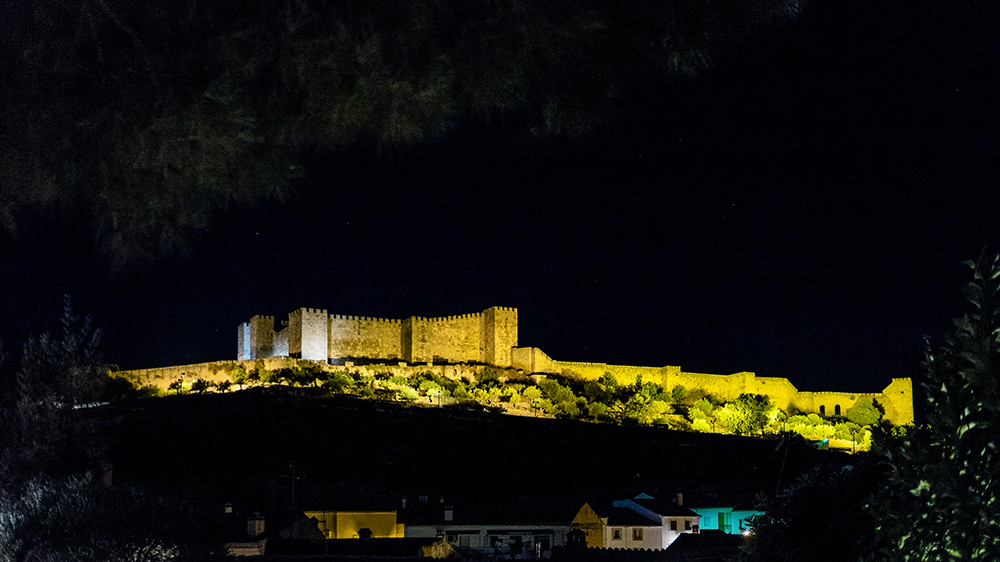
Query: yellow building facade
x: 351, y: 524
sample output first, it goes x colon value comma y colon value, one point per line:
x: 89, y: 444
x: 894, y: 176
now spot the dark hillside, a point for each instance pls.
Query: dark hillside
x: 237, y: 446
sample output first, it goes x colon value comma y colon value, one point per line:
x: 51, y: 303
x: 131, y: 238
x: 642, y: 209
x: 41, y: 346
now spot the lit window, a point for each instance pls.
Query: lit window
x: 616, y: 534
x: 637, y: 534
x: 673, y: 525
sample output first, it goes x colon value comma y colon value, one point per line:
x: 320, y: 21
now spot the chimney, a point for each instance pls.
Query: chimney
x: 403, y: 505
x: 680, y: 499
x: 449, y: 513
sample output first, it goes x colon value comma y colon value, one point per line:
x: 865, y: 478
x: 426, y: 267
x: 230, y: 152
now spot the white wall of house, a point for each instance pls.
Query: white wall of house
x: 519, y: 541
x: 634, y: 537
x: 674, y: 526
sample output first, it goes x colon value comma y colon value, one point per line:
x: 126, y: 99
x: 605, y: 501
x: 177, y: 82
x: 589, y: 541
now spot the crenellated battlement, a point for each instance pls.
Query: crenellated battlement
x: 310, y: 311
x: 475, y: 315
x: 364, y: 319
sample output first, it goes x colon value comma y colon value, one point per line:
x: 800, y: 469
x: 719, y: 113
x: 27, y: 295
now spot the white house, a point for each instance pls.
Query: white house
x: 515, y: 528
x: 645, y: 522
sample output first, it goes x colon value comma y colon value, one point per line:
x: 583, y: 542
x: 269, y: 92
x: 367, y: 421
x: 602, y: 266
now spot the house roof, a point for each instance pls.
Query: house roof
x: 625, y: 517
x: 666, y: 508
x: 495, y: 511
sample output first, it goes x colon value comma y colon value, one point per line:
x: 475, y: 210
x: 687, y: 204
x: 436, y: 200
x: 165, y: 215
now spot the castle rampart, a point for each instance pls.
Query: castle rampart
x: 896, y: 399
x: 314, y: 334
x: 456, y: 346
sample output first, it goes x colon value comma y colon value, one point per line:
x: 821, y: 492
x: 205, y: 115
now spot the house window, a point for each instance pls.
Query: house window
x: 836, y: 410
x: 637, y: 534
x: 673, y: 525
x: 616, y: 534
x: 687, y: 524
x: 822, y: 410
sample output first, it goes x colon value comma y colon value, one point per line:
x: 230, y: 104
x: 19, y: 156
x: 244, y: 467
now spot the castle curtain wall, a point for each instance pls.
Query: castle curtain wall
x: 486, y: 337
x: 490, y: 337
x: 454, y: 339
x: 363, y: 336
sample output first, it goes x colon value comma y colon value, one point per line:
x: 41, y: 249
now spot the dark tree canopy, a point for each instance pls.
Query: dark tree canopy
x: 43, y: 430
x: 150, y: 117
x: 942, y: 501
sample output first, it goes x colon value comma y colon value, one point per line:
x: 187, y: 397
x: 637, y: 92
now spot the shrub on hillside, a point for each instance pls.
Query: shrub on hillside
x: 701, y: 409
x: 747, y: 414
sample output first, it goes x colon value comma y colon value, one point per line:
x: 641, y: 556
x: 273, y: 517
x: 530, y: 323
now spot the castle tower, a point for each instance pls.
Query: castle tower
x: 897, y: 399
x: 499, y: 335
x: 261, y: 337
x: 243, y: 342
x: 309, y: 334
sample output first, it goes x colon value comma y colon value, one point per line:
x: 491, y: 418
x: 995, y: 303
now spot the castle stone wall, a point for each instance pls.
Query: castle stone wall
x: 454, y: 339
x: 363, y: 336
x: 281, y: 344
x: 897, y: 398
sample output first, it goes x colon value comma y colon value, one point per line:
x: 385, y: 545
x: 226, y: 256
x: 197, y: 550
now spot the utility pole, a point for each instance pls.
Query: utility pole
x: 290, y: 465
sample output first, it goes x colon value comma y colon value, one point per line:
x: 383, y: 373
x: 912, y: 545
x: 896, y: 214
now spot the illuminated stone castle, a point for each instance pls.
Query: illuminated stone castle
x: 449, y: 344
x: 484, y: 337
x: 462, y: 346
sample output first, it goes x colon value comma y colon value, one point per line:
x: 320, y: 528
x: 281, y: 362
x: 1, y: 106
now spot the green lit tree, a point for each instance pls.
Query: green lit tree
x: 532, y: 393
x: 267, y: 376
x: 942, y: 502
x: 306, y: 373
x: 200, y: 386
x: 747, y: 414
x: 239, y: 376
x: 678, y: 393
x: 641, y: 403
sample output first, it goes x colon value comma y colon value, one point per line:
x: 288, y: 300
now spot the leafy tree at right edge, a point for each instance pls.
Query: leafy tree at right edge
x: 942, y: 501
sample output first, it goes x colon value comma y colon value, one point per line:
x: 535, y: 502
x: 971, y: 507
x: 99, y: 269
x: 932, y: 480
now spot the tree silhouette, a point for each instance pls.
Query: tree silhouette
x: 42, y: 433
x: 942, y: 502
x: 153, y: 116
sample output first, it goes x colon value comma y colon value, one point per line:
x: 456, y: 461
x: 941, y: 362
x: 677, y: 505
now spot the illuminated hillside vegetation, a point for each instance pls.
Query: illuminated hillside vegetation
x: 602, y: 400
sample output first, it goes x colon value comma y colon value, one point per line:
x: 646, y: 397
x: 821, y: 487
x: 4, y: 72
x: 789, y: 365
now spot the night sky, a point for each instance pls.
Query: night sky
x: 801, y: 210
